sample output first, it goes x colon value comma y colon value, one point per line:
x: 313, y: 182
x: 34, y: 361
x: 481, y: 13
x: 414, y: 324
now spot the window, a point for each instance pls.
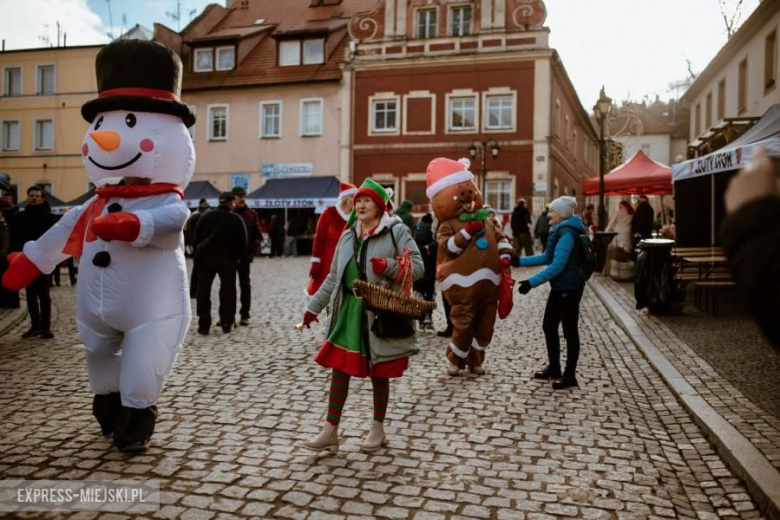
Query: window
x: 384, y: 116
x: 11, y: 136
x: 313, y: 52
x: 204, y: 60
x: 462, y: 113
x: 12, y: 81
x: 574, y: 146
x: 721, y: 99
x: 226, y: 58
x: 44, y: 134
x: 45, y: 79
x: 498, y: 195
x: 742, y: 93
x: 697, y: 121
x: 191, y: 129
x: 311, y: 117
x: 770, y: 58
x: 566, y: 130
x: 557, y: 119
x: 460, y: 20
x: 271, y: 119
x: 289, y: 53
x: 218, y: 123
x: 499, y: 112
x: 708, y: 112
x: 426, y: 23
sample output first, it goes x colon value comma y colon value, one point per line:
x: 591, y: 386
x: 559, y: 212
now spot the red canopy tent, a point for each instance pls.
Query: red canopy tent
x: 639, y: 175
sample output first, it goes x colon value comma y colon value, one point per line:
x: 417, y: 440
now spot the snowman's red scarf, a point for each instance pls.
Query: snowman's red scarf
x: 82, y: 231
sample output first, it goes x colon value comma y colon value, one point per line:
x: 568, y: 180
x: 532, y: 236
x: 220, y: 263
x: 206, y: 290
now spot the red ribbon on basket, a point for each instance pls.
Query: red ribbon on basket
x: 405, y: 276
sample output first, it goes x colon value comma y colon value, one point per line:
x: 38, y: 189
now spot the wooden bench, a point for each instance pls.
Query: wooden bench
x: 705, y: 291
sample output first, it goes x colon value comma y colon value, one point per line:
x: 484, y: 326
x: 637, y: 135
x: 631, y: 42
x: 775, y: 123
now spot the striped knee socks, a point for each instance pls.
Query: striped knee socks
x: 381, y: 396
x: 339, y: 387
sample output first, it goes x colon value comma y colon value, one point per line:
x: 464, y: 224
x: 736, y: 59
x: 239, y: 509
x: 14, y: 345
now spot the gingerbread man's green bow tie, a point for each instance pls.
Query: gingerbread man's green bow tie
x: 480, y: 214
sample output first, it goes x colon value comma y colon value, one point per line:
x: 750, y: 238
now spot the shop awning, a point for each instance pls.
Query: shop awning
x: 639, y: 175
x: 765, y: 133
x: 299, y: 192
x: 197, y: 190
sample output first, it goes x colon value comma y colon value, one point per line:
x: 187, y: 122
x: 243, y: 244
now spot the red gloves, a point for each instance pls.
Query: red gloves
x: 309, y: 318
x: 378, y: 265
x: 475, y: 226
x: 21, y: 272
x: 121, y: 225
x: 314, y: 270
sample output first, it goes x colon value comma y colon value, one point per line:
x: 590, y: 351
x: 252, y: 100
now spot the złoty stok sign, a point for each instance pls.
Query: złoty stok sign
x: 275, y: 170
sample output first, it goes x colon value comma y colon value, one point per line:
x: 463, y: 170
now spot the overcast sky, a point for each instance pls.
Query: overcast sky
x: 635, y: 48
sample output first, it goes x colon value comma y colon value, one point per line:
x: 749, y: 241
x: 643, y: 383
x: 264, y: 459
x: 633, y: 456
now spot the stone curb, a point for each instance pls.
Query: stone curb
x: 13, y: 319
x: 744, y: 459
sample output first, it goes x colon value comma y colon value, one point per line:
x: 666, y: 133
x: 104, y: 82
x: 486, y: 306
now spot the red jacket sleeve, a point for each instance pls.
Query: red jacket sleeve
x: 321, y: 234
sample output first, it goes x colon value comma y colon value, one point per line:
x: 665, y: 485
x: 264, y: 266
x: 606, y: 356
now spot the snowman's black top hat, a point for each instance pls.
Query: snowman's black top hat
x: 138, y: 76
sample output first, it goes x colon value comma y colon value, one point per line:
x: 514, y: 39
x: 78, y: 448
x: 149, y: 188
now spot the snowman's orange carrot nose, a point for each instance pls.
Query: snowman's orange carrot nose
x: 108, y: 140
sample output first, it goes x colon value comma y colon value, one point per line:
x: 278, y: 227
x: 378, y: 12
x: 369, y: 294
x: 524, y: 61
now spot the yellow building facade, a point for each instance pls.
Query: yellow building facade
x: 41, y: 128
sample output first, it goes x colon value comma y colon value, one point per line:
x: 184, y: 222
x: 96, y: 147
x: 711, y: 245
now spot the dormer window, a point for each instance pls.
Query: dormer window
x: 291, y: 52
x: 204, y: 58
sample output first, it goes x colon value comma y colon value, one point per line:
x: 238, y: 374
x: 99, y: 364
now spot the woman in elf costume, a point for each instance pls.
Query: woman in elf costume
x: 371, y: 248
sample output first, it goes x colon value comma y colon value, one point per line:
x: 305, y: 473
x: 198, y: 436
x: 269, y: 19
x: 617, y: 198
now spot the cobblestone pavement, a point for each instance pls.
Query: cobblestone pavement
x: 500, y: 446
x: 732, y: 344
x: 728, y: 369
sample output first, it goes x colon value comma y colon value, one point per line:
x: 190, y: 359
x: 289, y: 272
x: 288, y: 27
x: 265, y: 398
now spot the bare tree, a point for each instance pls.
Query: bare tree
x: 731, y: 11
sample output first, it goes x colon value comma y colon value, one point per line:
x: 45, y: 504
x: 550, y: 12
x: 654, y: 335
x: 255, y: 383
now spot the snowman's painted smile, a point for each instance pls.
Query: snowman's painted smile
x: 128, y: 163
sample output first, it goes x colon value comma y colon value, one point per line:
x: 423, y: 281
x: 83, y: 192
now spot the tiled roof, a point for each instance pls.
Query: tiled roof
x: 230, y: 34
x: 287, y: 17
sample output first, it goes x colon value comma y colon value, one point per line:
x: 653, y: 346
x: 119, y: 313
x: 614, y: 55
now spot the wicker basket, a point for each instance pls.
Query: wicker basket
x: 403, y: 304
x: 380, y: 299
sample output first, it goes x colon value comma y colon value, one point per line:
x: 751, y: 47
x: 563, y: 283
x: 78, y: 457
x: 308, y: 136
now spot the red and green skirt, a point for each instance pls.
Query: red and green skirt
x: 345, y: 350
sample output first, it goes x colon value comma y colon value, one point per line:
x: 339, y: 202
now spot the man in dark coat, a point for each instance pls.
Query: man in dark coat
x: 252, y: 223
x: 404, y: 212
x: 521, y: 230
x: 642, y: 222
x: 8, y: 299
x: 429, y: 247
x: 220, y: 241
x: 189, y: 238
x: 30, y: 225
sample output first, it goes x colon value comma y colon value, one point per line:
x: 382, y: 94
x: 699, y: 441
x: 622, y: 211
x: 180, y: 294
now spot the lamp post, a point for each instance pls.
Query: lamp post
x: 601, y: 109
x: 482, y: 146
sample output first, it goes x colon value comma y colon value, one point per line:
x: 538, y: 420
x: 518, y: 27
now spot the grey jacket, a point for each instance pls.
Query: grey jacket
x: 380, y: 244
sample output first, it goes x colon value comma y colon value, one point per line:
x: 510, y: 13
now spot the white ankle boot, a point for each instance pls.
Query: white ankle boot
x: 376, y: 438
x: 452, y: 368
x: 327, y: 440
x: 478, y: 370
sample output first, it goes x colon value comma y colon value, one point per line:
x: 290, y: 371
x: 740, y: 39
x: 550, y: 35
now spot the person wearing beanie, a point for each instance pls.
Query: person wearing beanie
x: 426, y: 286
x: 329, y: 228
x: 253, y: 236
x: 220, y: 242
x: 404, y: 212
x: 360, y: 343
x: 563, y: 257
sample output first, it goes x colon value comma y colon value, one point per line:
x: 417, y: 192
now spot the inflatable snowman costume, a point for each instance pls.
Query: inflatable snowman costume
x: 133, y: 307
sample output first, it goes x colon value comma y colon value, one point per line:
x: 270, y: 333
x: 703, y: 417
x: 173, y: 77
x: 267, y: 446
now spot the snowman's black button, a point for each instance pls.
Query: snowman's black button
x: 115, y: 208
x: 101, y: 259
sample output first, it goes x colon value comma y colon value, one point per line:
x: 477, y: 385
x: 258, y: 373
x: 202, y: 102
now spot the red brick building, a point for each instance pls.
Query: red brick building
x: 441, y: 78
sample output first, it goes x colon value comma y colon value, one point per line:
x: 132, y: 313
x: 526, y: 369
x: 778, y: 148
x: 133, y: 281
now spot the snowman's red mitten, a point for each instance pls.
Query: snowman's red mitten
x: 121, y: 225
x: 20, y: 273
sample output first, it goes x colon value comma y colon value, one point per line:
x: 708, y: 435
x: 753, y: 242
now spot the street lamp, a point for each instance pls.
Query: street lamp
x: 481, y: 146
x: 601, y: 109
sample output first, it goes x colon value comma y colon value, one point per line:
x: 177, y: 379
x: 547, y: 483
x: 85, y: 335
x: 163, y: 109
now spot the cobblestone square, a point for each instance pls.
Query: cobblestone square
x: 499, y: 446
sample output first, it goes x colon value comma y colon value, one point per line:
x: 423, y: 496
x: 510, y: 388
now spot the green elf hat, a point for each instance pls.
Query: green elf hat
x: 377, y: 193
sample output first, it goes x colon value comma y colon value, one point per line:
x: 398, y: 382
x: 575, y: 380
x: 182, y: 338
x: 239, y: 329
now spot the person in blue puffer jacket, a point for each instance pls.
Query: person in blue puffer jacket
x: 563, y: 258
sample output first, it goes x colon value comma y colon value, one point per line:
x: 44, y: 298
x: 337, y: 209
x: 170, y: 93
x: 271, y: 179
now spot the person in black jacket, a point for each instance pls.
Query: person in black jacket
x: 751, y: 239
x: 220, y: 241
x: 30, y: 225
x: 426, y: 242
x: 521, y: 230
x: 642, y: 223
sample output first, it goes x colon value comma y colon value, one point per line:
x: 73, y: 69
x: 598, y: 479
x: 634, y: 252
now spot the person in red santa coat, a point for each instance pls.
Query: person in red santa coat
x: 329, y: 229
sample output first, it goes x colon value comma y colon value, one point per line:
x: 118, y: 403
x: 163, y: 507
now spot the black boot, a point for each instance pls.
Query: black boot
x: 567, y: 381
x: 106, y: 409
x: 446, y: 333
x: 134, y: 428
x: 549, y: 372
